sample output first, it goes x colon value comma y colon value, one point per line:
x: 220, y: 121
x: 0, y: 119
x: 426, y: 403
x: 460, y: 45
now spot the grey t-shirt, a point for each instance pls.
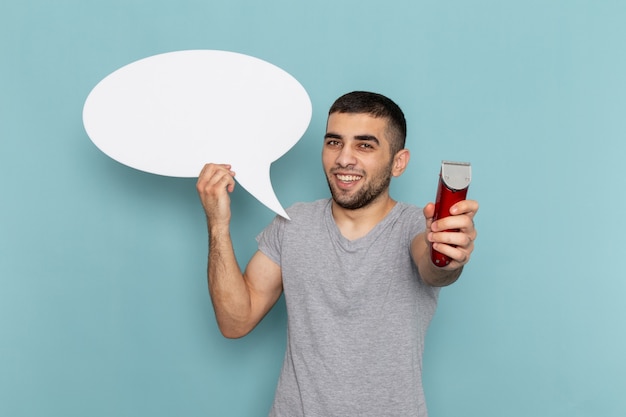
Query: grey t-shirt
x: 357, y: 311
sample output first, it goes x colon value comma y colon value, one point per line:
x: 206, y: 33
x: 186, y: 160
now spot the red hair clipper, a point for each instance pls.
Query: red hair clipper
x: 454, y: 180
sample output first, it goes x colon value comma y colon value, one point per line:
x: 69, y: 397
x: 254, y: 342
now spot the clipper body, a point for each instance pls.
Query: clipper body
x: 454, y: 180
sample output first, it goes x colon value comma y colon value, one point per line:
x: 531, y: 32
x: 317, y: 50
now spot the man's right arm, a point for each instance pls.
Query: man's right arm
x: 240, y: 300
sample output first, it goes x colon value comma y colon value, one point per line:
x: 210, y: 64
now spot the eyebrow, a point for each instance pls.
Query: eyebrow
x: 332, y: 136
x: 365, y: 138
x: 368, y: 138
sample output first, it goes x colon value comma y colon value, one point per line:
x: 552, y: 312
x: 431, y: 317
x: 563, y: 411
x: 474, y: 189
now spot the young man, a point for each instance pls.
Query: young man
x: 359, y: 284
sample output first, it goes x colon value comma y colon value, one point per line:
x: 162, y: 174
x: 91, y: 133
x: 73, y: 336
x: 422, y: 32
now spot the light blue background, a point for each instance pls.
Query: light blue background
x: 103, y: 303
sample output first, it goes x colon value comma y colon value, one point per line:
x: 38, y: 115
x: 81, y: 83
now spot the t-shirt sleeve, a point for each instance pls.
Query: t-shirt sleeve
x: 415, y: 222
x: 270, y: 239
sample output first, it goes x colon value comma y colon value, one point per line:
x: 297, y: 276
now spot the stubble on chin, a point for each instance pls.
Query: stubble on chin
x: 361, y: 197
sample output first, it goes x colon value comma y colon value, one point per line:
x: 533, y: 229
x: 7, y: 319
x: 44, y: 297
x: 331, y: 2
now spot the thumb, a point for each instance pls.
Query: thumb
x: 429, y: 213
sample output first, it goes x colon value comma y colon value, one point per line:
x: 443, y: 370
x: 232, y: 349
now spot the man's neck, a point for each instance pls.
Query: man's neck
x: 354, y: 224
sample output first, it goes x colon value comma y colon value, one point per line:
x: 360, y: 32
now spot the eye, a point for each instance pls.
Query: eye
x: 333, y: 143
x: 366, y: 146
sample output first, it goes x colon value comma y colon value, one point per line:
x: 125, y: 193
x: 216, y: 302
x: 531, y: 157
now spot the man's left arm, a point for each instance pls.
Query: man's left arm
x: 452, y: 236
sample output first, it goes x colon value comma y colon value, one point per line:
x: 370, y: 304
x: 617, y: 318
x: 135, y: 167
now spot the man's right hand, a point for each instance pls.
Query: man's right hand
x: 240, y: 300
x: 214, y: 183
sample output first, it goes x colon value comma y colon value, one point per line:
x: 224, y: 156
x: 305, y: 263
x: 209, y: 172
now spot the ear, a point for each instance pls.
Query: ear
x: 400, y: 161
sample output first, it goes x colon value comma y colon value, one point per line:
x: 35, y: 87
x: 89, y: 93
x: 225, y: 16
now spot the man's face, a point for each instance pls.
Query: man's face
x: 357, y: 158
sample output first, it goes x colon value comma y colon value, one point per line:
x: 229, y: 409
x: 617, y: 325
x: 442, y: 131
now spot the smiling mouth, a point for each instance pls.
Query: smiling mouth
x: 348, y: 178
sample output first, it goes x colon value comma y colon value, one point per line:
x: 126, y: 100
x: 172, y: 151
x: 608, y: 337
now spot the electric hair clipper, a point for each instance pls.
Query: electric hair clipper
x: 454, y: 180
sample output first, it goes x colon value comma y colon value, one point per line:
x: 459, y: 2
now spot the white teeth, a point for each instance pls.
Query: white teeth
x: 349, y: 178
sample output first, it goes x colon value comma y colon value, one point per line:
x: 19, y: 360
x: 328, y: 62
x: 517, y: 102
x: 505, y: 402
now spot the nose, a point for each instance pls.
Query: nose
x: 346, y: 157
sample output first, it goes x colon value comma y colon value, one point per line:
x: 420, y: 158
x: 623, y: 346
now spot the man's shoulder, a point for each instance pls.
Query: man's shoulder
x: 308, y: 210
x: 409, y: 209
x: 407, y: 217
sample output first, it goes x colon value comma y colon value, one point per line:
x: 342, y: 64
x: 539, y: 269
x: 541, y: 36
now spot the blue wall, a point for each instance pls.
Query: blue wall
x: 103, y: 303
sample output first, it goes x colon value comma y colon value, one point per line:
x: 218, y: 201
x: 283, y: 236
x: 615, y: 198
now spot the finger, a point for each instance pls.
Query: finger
x: 468, y: 207
x: 458, y: 239
x: 429, y: 214
x: 209, y: 170
x: 221, y: 179
x: 459, y: 222
x: 457, y: 254
x: 429, y: 210
x: 215, y: 179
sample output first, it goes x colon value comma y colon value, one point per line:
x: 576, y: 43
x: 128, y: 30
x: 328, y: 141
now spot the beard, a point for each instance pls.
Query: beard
x: 362, y: 197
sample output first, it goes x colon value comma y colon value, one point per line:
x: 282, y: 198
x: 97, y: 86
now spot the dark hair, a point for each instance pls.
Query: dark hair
x: 375, y: 105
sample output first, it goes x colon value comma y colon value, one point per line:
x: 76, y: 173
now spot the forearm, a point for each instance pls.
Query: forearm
x: 229, y: 293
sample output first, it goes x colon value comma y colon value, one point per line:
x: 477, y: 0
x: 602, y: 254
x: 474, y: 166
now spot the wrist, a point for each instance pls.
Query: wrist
x: 217, y: 227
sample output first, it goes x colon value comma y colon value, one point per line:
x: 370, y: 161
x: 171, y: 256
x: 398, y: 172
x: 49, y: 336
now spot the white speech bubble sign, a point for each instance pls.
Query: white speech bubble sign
x: 169, y: 114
